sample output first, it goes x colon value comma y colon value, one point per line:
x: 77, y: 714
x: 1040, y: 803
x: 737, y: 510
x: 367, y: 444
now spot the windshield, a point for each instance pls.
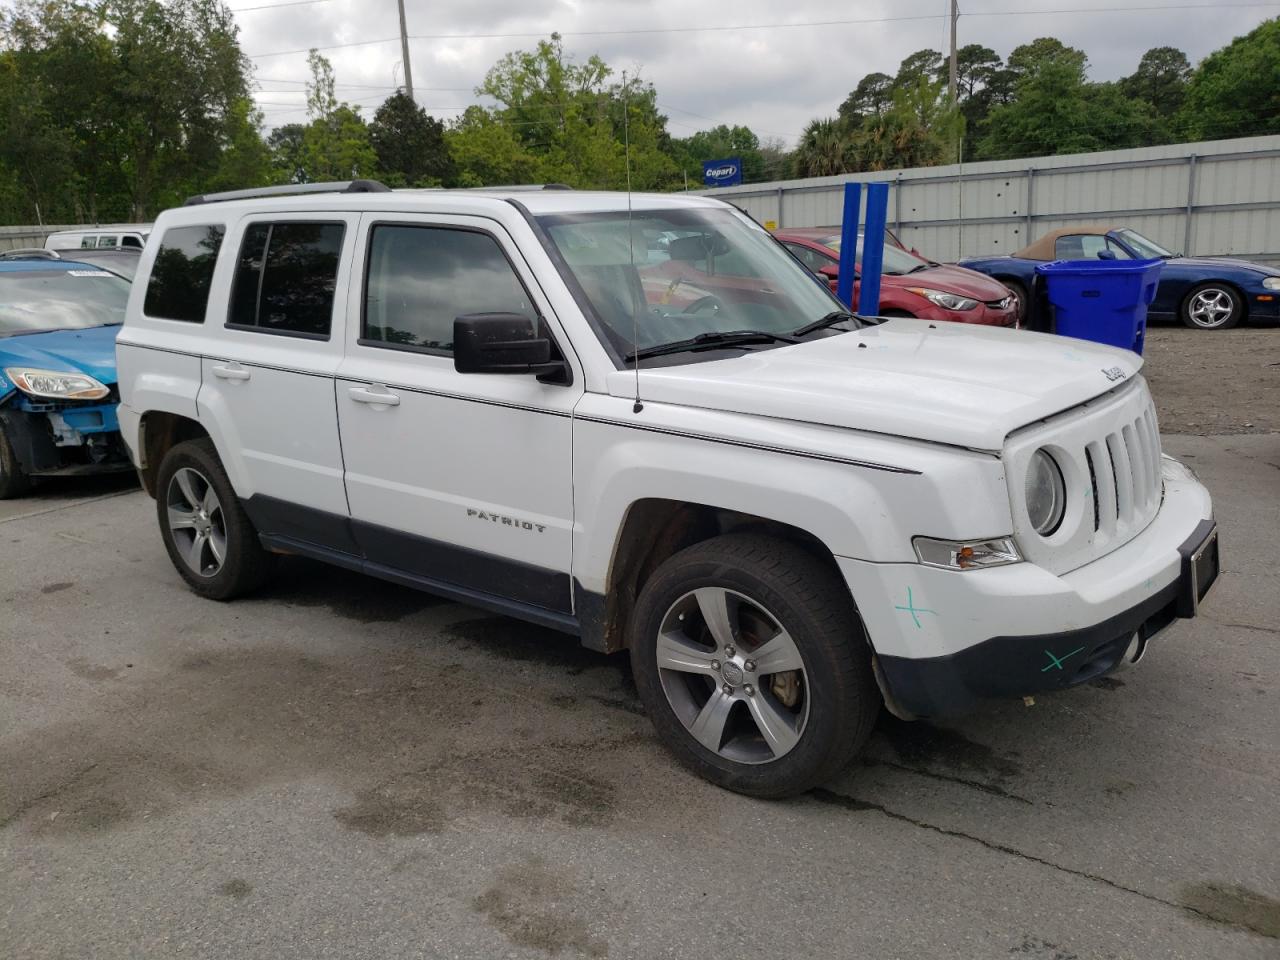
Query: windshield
x: 682, y: 273
x: 35, y: 300
x: 897, y: 262
x: 1144, y: 248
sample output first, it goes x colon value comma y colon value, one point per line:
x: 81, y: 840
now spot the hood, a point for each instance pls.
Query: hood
x: 953, y: 279
x: 91, y: 351
x: 945, y: 383
x: 1210, y: 263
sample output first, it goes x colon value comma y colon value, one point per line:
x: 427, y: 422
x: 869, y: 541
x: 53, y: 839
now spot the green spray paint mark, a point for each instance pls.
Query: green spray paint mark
x: 1058, y: 661
x: 912, y: 609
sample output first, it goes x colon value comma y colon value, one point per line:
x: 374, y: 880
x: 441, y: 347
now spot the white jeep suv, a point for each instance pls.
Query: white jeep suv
x: 641, y: 421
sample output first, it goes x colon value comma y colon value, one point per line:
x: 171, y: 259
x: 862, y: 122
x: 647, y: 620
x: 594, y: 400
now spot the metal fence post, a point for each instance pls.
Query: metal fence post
x: 1191, y: 201
x: 1031, y: 181
x: 781, y: 223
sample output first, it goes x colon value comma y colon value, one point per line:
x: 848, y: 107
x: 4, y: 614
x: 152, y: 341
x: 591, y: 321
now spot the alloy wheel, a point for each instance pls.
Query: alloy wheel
x: 197, y: 525
x: 733, y: 675
x: 1211, y: 307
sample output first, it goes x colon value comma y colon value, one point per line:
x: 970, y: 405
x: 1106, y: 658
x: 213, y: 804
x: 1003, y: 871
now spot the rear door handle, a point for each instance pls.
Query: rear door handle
x: 376, y: 394
x: 230, y: 371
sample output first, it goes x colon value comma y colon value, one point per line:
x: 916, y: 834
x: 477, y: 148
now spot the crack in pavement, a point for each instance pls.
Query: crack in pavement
x: 991, y: 788
x: 1242, y: 626
x: 69, y: 506
x: 831, y: 798
x: 30, y: 803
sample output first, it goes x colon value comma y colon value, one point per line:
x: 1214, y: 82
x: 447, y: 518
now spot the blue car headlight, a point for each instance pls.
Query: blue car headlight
x: 56, y: 384
x: 1271, y: 283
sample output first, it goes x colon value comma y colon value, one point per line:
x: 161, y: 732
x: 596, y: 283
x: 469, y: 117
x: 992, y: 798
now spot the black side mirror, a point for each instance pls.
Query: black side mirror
x: 503, y: 343
x: 830, y: 271
x: 1106, y: 254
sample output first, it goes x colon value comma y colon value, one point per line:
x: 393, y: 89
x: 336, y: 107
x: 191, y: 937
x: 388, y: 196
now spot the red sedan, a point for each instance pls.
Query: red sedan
x: 910, y: 286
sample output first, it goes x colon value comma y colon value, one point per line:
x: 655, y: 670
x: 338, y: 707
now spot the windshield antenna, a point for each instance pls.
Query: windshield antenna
x: 631, y: 243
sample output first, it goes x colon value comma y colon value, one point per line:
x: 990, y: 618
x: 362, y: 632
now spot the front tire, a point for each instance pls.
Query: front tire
x: 14, y: 481
x: 206, y: 532
x: 1212, y: 306
x: 1021, y: 300
x: 752, y: 664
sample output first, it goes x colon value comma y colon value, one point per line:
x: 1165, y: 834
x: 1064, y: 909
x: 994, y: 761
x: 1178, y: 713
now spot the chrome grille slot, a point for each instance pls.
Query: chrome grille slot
x: 1093, y: 486
x: 1122, y: 475
x: 1138, y: 463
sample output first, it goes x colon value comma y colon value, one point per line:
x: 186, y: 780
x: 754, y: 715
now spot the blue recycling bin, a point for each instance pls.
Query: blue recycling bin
x: 1102, y: 300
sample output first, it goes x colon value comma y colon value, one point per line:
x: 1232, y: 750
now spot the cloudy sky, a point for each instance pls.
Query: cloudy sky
x: 800, y: 63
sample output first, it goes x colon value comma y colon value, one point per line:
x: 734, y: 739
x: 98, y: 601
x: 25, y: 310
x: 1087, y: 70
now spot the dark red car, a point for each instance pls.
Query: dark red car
x: 909, y: 285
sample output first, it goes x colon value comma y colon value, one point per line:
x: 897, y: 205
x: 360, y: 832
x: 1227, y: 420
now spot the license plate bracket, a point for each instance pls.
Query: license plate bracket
x: 1200, y: 567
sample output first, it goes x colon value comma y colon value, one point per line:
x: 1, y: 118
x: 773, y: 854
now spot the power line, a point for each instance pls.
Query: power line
x: 723, y: 28
x: 272, y: 6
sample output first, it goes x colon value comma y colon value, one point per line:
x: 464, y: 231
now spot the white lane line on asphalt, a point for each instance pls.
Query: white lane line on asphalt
x: 68, y: 506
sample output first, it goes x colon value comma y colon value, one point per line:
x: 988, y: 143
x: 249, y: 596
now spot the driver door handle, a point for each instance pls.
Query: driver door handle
x: 230, y: 371
x: 375, y: 393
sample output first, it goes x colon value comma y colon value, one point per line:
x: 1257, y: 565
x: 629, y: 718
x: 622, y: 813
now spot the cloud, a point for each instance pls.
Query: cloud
x: 772, y: 80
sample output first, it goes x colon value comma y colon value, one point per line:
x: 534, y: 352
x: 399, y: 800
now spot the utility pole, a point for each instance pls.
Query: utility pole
x: 408, y: 73
x: 955, y: 15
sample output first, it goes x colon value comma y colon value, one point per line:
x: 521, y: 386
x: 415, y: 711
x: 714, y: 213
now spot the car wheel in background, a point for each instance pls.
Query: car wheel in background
x: 1019, y: 299
x: 205, y: 529
x: 14, y: 482
x: 1212, y: 306
x: 752, y: 664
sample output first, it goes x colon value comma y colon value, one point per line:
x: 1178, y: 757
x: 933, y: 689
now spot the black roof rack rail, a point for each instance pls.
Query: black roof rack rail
x: 290, y: 190
x: 519, y: 187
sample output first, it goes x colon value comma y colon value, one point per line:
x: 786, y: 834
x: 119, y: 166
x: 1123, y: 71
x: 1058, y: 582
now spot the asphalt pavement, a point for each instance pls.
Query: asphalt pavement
x: 339, y: 767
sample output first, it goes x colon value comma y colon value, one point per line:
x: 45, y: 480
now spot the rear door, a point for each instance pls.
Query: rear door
x: 267, y: 375
x: 463, y: 479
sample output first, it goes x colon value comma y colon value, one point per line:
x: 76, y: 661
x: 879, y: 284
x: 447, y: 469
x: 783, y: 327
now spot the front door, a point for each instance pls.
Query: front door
x: 463, y: 479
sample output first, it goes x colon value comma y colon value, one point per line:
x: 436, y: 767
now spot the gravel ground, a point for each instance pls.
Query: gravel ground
x: 1214, y: 383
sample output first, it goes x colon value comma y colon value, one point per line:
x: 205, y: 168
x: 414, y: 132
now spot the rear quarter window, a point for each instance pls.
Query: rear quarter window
x: 285, y: 278
x: 178, y: 288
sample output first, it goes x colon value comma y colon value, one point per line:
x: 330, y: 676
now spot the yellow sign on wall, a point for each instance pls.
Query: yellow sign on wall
x: 771, y: 224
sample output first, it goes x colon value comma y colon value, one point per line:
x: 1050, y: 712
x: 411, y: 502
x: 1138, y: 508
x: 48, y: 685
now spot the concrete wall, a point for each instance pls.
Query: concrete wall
x: 1212, y: 198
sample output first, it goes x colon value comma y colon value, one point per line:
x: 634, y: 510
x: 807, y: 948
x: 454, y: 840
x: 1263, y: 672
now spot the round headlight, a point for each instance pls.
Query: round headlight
x: 1046, y: 493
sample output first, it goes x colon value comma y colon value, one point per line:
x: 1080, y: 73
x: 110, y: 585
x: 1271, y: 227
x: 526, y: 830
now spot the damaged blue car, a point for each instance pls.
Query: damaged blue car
x: 58, y: 394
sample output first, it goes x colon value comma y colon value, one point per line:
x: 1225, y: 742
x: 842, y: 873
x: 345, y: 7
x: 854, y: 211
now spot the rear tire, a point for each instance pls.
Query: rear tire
x: 708, y: 625
x: 14, y: 481
x: 206, y: 532
x: 1212, y: 306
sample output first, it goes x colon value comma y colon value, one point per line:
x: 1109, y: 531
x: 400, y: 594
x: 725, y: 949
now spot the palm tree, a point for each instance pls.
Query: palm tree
x: 823, y: 149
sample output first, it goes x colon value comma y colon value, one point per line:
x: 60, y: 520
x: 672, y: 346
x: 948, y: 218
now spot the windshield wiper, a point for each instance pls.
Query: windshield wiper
x: 706, y: 341
x: 832, y: 318
x: 923, y: 266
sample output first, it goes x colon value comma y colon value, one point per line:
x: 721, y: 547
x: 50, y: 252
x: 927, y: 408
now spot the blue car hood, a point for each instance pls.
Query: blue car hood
x: 1210, y: 263
x: 91, y: 351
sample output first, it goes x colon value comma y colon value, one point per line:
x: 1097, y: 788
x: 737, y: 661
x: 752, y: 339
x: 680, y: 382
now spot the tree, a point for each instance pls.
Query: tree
x: 245, y: 159
x: 1049, y: 112
x: 410, y: 144
x: 486, y: 151
x: 1160, y: 80
x: 718, y: 143
x: 823, y: 150
x: 871, y: 97
x: 922, y: 63
x: 1234, y: 92
x: 285, y: 144
x: 920, y: 129
x: 335, y: 144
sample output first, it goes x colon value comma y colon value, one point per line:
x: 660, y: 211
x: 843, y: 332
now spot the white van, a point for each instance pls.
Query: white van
x: 127, y: 235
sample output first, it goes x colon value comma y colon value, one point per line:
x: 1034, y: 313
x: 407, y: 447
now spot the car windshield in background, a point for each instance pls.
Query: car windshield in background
x: 897, y: 262
x: 679, y: 274
x: 1144, y: 248
x: 37, y: 300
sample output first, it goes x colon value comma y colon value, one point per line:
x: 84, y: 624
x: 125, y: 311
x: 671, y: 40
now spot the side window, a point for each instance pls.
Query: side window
x: 285, y: 277
x: 1069, y: 247
x: 420, y: 279
x: 813, y: 261
x: 131, y: 242
x: 1120, y: 252
x: 88, y: 243
x: 106, y: 241
x: 178, y: 288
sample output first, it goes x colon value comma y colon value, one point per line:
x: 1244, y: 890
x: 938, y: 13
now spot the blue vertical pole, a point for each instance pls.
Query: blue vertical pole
x: 873, y: 248
x: 848, y: 243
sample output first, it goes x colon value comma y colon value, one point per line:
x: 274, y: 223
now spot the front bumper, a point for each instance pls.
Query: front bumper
x: 945, y: 640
